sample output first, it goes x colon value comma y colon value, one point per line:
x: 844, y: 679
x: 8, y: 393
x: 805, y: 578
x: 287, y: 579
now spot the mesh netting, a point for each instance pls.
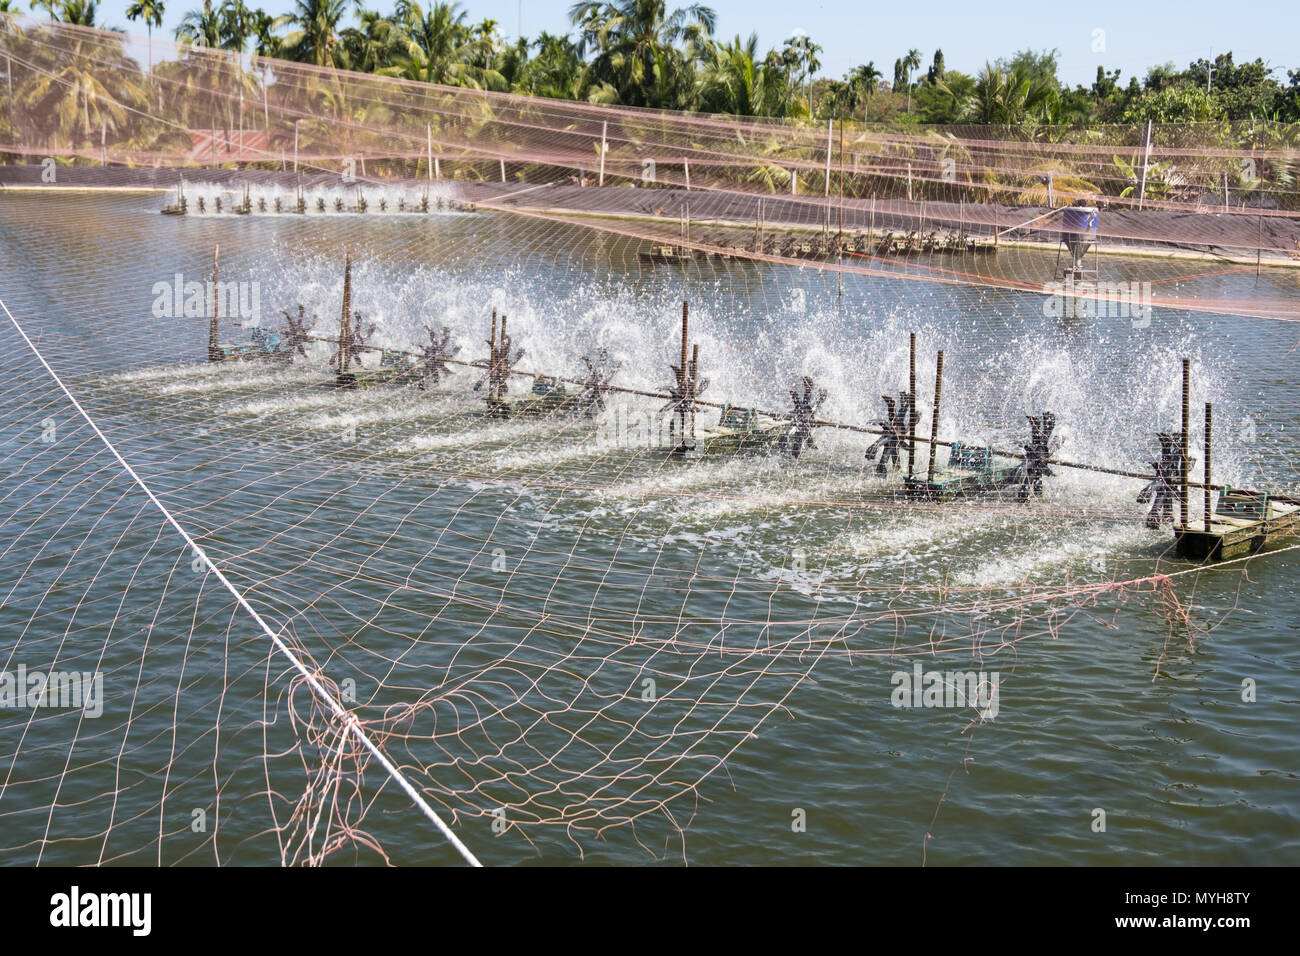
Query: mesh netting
x: 322, y: 614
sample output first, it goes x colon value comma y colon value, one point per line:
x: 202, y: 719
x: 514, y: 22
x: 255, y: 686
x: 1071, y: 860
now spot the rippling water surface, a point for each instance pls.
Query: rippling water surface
x: 522, y: 580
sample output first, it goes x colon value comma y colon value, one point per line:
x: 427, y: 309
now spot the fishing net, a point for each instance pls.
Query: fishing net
x: 339, y: 624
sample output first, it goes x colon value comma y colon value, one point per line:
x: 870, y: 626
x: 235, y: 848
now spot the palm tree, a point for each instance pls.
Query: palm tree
x: 864, y: 80
x: 317, y: 32
x: 801, y: 54
x: 374, y: 44
x: 151, y: 12
x: 1009, y: 97
x: 439, y: 47
x: 238, y: 24
x: 735, y: 79
x: 47, y: 5
x: 78, y: 12
x: 201, y: 27
x: 634, y: 43
x: 911, y: 62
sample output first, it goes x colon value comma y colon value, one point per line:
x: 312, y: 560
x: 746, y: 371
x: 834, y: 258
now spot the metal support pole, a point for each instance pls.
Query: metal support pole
x: 1209, y: 432
x: 1146, y: 162
x: 830, y: 139
x: 214, y: 350
x: 911, y: 409
x: 604, y: 145
x: 934, y: 423
x: 1187, y: 391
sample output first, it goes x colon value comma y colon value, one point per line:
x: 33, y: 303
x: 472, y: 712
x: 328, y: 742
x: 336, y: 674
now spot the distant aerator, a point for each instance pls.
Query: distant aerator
x: 1078, y: 233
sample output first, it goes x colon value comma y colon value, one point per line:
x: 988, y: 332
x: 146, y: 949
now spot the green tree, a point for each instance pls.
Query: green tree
x: 865, y: 80
x: 151, y: 12
x: 316, y: 33
x: 633, y: 47
x: 735, y: 79
x: 910, y: 62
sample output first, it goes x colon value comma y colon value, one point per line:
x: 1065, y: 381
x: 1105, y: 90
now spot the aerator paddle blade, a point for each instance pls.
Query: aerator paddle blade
x: 601, y: 370
x: 435, y: 357
x: 803, y: 416
x: 894, y: 433
x: 1162, y: 490
x: 1034, y: 468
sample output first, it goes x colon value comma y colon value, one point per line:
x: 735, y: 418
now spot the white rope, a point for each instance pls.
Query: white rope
x: 339, y: 710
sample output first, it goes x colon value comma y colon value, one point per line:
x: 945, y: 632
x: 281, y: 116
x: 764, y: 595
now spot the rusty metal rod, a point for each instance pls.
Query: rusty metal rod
x: 1187, y: 392
x: 214, y: 349
x: 934, y: 421
x: 1209, y: 431
x: 911, y: 402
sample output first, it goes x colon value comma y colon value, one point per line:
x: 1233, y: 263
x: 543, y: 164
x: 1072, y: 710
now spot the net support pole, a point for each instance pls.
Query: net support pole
x: 503, y: 170
x: 934, y: 421
x: 428, y: 133
x: 1209, y: 442
x: 1146, y: 163
x: 830, y: 139
x: 214, y: 350
x: 911, y: 406
x: 1259, y: 247
x: 686, y: 166
x: 1187, y: 393
x: 295, y: 146
x: 604, y: 145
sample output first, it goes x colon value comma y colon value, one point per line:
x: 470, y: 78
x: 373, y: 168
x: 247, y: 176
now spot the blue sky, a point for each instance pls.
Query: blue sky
x: 1135, y: 35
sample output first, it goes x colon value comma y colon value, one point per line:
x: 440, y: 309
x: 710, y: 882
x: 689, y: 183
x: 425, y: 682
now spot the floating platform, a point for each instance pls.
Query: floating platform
x: 547, y: 397
x: 741, y: 430
x: 265, y: 345
x: 1243, y: 523
x: 971, y: 470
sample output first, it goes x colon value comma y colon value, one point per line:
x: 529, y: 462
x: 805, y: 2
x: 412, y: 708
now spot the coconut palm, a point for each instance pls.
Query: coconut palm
x: 735, y: 79
x: 800, y: 55
x: 439, y: 47
x: 555, y: 71
x: 864, y: 80
x: 317, y: 30
x: 151, y: 12
x: 1009, y: 97
x: 910, y: 62
x: 634, y: 45
x: 201, y: 27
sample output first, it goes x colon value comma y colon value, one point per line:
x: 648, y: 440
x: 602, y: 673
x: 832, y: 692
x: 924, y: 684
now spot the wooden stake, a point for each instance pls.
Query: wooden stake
x: 214, y: 350
x: 934, y: 424
x: 1187, y: 392
x: 911, y: 410
x: 1209, y: 430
